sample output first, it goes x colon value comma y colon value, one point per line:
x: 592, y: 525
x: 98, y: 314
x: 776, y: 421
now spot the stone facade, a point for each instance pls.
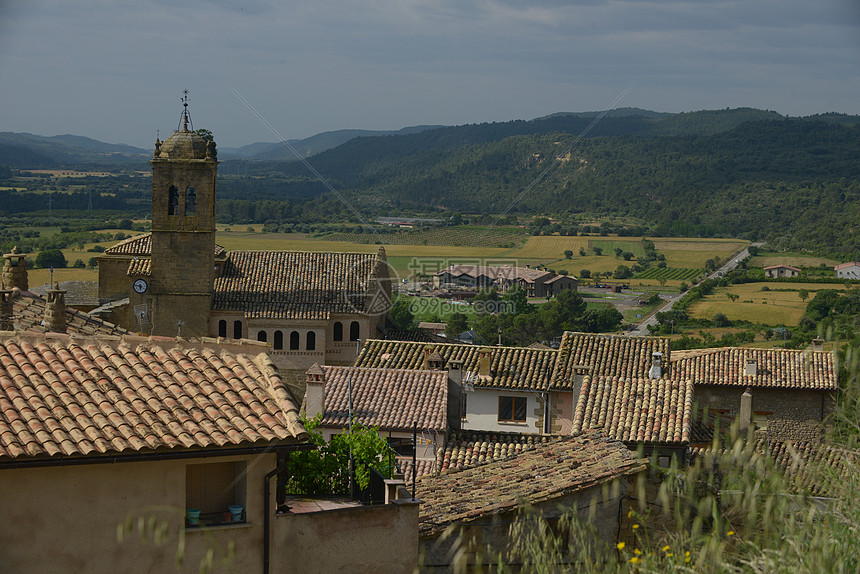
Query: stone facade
x: 782, y: 414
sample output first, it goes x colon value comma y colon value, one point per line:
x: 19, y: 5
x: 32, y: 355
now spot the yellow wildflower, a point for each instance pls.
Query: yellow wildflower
x: 634, y: 560
x: 730, y: 533
x: 637, y: 552
x: 666, y: 548
x: 669, y: 555
x: 629, y: 513
x: 635, y: 526
x: 620, y: 545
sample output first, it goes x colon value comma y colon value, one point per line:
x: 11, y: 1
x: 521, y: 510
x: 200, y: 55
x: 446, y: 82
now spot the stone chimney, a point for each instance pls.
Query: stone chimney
x: 656, y: 370
x: 818, y: 344
x: 745, y: 415
x: 6, y: 310
x: 429, y: 351
x: 485, y: 358
x: 751, y: 368
x: 55, y: 310
x: 455, y: 371
x: 455, y: 394
x: 15, y: 271
x: 314, y: 391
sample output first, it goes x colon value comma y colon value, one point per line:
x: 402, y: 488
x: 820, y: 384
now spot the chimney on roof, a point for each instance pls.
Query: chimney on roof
x: 485, y: 357
x: 818, y: 344
x: 6, y: 310
x: 751, y: 368
x: 746, y: 410
x: 656, y: 370
x: 432, y: 360
x: 314, y: 391
x: 15, y: 271
x: 456, y: 405
x: 55, y: 310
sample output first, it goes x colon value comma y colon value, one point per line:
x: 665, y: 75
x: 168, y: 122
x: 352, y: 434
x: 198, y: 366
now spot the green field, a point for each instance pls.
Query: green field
x: 669, y: 274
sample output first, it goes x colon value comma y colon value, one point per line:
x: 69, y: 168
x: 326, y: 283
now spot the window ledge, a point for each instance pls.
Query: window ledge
x: 224, y: 526
x: 514, y: 423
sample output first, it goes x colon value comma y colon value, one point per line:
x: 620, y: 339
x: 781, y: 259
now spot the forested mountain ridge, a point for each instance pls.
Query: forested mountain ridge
x: 790, y: 177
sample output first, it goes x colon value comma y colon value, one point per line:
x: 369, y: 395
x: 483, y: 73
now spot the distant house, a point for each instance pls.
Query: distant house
x: 568, y: 473
x: 503, y: 277
x: 776, y: 271
x: 850, y: 270
x: 792, y: 391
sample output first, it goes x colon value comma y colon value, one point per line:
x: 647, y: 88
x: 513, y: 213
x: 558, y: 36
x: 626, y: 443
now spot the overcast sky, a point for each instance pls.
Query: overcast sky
x: 114, y: 70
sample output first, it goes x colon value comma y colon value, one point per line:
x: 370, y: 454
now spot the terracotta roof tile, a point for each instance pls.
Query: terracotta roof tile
x: 780, y: 368
x: 386, y: 398
x: 28, y: 314
x: 141, y: 245
x: 600, y: 355
x: 548, y: 471
x: 294, y: 284
x: 654, y: 411
x: 119, y: 398
x: 509, y: 367
x: 470, y: 448
x: 809, y: 467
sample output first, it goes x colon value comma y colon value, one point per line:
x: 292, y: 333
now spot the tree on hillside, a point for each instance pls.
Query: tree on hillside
x: 456, y: 324
x: 51, y: 258
x: 568, y: 253
x: 597, y: 251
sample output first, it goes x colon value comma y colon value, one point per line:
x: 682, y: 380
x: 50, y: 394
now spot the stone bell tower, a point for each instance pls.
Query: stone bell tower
x: 179, y: 295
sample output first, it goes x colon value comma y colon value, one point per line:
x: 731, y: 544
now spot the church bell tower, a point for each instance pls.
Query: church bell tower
x: 184, y: 169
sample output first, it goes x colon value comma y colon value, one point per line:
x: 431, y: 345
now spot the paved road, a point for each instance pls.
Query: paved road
x: 642, y: 328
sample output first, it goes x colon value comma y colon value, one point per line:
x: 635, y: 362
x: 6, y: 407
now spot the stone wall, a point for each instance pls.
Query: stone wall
x: 492, y: 530
x: 371, y: 539
x: 789, y: 414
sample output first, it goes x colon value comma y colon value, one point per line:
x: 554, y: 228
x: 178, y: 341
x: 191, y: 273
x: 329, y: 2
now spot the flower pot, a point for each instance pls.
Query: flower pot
x: 236, y: 512
x: 192, y: 516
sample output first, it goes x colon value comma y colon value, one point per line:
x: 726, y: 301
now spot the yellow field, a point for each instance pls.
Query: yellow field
x: 550, y: 247
x: 793, y: 260
x: 753, y: 304
x: 37, y: 277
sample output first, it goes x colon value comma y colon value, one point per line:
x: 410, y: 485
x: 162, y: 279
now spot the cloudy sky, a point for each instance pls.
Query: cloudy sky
x: 114, y: 70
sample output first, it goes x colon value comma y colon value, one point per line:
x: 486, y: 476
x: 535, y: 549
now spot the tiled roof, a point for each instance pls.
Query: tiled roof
x: 61, y: 396
x: 606, y: 356
x: 28, y: 313
x: 293, y: 284
x: 841, y: 266
x: 141, y: 245
x: 548, y: 471
x: 510, y: 367
x: 780, y: 368
x: 808, y: 467
x: 424, y: 467
x: 496, y: 272
x: 386, y: 398
x: 814, y: 467
x: 139, y: 267
x: 782, y: 267
x: 636, y: 410
x: 470, y: 448
x: 417, y: 335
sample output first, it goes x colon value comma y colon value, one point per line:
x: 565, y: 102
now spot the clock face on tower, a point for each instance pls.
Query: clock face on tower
x: 140, y: 286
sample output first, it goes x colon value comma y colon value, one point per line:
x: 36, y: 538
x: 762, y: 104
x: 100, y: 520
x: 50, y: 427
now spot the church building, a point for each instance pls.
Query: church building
x: 309, y: 307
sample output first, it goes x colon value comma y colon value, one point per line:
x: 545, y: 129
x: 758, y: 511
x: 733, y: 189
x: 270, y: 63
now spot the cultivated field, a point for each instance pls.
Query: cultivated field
x: 792, y: 260
x: 779, y: 306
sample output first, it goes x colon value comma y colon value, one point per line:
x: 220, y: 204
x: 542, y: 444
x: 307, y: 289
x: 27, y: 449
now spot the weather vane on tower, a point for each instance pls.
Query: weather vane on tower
x: 186, y: 117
